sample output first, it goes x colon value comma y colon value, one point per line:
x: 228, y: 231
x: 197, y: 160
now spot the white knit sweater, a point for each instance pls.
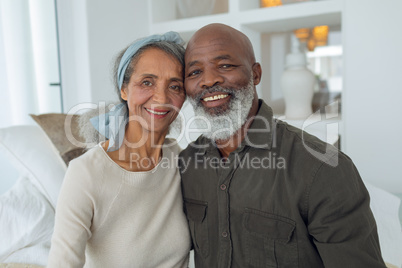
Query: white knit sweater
x: 107, y: 216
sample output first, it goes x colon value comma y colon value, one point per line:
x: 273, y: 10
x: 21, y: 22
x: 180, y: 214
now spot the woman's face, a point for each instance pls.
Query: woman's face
x: 155, y: 92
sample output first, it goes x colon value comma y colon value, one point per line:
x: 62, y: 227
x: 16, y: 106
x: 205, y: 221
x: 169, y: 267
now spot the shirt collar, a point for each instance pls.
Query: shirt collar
x: 259, y: 134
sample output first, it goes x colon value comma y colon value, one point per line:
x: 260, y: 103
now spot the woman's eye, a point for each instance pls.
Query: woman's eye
x: 147, y: 83
x: 176, y: 87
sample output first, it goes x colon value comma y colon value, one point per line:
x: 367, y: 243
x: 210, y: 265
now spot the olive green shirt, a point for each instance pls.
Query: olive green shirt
x: 281, y: 199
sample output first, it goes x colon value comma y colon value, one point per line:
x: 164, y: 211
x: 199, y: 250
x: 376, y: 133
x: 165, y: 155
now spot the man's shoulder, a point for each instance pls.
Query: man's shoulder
x: 303, y: 144
x: 312, y: 158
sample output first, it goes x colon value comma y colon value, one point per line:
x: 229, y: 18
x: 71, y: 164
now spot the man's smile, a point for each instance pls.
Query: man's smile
x: 215, y: 97
x: 215, y: 100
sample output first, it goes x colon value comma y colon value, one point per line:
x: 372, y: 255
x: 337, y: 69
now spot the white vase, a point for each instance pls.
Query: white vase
x: 193, y: 8
x: 297, y: 84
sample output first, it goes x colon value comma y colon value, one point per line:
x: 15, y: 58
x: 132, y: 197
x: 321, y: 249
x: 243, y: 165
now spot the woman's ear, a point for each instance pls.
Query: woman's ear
x: 123, y: 93
x: 257, y: 73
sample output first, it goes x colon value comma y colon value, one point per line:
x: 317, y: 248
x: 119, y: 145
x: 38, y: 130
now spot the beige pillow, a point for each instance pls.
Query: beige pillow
x: 70, y: 143
x: 89, y: 134
x: 80, y: 130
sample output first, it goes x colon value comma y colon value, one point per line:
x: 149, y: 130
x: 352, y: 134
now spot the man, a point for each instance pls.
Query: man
x: 260, y: 193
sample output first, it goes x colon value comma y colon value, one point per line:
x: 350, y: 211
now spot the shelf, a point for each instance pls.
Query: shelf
x: 189, y: 25
x: 293, y: 16
x: 263, y: 20
x: 167, y: 10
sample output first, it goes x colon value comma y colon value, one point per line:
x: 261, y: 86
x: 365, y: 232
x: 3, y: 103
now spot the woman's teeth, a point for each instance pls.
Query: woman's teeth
x: 216, y: 97
x: 154, y: 112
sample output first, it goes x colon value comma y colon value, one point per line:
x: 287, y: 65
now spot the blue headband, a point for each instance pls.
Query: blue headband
x: 112, y: 125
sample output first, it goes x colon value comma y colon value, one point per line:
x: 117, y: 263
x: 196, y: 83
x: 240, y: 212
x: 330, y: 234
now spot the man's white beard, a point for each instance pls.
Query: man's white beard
x: 218, y: 124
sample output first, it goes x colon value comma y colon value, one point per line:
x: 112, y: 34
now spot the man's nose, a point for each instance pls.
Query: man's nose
x: 211, y: 78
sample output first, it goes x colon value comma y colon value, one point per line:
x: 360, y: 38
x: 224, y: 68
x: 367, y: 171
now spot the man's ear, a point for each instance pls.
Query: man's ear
x: 123, y: 93
x: 257, y: 73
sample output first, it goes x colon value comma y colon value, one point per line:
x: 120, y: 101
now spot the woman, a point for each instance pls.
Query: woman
x: 120, y: 203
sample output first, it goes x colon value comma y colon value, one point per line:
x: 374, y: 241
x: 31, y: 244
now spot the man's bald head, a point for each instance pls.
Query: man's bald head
x: 217, y: 32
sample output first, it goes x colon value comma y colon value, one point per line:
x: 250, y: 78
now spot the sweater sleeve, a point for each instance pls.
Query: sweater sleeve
x: 74, y: 213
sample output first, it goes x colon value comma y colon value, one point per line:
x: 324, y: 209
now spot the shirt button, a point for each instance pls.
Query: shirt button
x: 223, y: 187
x: 224, y: 234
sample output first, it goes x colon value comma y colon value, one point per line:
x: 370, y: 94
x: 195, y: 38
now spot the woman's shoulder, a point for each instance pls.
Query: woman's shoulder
x: 88, y: 170
x: 172, y: 145
x: 92, y: 158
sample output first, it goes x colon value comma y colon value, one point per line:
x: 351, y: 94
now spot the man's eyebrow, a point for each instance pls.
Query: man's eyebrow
x: 220, y: 57
x: 191, y: 63
x: 223, y: 57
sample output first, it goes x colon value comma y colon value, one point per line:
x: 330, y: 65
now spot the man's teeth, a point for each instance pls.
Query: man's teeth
x: 216, y: 97
x: 154, y: 112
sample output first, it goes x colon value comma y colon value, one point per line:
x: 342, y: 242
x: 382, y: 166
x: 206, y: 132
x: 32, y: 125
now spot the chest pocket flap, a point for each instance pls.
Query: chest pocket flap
x: 268, y: 225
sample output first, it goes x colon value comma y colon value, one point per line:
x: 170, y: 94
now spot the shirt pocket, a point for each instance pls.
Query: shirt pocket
x: 270, y: 240
x: 196, y: 212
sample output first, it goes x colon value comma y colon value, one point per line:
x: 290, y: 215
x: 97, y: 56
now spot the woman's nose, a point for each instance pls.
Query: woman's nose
x: 211, y: 78
x: 160, y: 95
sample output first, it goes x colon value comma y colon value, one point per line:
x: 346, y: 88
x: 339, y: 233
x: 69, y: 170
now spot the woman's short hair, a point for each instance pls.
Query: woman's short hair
x: 170, y: 48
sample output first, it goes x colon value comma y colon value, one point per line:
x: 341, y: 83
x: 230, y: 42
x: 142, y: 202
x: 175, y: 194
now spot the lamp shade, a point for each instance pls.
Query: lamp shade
x: 320, y: 34
x: 271, y: 3
x: 302, y: 34
x: 311, y: 44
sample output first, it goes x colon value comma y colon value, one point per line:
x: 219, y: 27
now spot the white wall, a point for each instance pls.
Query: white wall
x: 111, y: 27
x: 91, y: 33
x: 372, y: 110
